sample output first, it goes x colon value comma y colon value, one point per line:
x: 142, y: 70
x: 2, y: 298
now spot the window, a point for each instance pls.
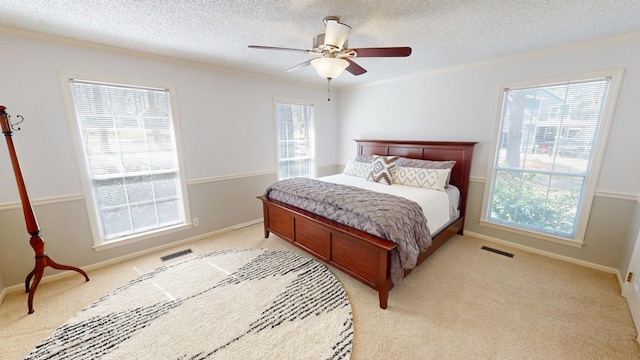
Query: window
x: 295, y: 140
x: 130, y: 156
x: 543, y: 174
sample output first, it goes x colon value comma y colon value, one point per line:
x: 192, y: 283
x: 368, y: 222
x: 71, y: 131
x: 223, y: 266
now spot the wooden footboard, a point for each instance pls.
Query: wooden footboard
x: 363, y: 256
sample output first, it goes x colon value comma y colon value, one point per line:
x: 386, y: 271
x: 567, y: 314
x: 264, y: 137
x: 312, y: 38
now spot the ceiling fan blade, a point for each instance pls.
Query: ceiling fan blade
x: 278, y: 48
x: 300, y: 66
x: 383, y: 52
x: 336, y: 33
x: 354, y: 68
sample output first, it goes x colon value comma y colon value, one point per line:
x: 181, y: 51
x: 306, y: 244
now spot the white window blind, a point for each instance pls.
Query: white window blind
x: 130, y: 157
x: 295, y: 140
x: 544, y: 156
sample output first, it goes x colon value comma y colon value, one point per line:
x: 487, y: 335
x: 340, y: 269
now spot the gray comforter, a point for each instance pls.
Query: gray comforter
x: 387, y: 216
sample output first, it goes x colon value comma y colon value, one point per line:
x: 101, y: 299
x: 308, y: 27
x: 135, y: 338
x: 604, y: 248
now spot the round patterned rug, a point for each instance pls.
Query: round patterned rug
x: 230, y: 304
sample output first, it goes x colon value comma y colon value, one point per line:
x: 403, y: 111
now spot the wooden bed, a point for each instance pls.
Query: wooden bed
x: 363, y: 256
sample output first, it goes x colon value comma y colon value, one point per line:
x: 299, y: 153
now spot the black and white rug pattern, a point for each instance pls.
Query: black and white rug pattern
x: 230, y: 304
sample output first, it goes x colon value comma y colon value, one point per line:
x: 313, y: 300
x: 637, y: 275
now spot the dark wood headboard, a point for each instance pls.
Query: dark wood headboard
x: 460, y: 151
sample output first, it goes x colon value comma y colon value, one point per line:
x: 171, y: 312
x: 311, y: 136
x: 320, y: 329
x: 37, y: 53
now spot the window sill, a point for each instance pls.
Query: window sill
x: 140, y: 237
x: 532, y: 234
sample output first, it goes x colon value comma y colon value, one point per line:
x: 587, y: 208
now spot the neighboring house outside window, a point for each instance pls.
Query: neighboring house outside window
x: 295, y: 140
x: 551, y: 139
x: 128, y: 144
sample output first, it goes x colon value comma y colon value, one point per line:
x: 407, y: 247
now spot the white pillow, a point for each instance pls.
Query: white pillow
x: 357, y: 168
x: 426, y: 178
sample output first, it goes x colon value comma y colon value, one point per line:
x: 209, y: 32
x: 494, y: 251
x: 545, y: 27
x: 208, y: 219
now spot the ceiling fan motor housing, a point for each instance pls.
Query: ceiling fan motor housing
x: 320, y: 46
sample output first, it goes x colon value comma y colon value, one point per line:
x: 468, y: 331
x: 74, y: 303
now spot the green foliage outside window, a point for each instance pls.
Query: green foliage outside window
x: 520, y: 198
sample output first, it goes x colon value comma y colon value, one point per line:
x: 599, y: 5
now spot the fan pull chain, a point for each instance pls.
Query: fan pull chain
x: 328, y: 89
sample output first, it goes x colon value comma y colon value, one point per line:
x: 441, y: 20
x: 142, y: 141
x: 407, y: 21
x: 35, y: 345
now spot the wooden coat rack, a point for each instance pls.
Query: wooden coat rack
x: 37, y: 242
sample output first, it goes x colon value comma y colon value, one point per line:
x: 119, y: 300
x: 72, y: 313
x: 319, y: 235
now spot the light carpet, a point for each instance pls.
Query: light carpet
x: 229, y: 304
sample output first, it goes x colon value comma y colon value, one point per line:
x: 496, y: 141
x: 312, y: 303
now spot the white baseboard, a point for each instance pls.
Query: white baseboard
x: 102, y: 264
x: 53, y: 277
x: 588, y: 264
x: 20, y: 287
x: 248, y: 223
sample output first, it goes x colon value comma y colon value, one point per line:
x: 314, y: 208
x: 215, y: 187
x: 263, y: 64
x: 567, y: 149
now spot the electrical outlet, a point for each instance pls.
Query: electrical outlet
x: 195, y: 222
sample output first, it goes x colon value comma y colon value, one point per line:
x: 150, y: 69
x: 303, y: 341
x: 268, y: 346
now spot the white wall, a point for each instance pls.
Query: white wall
x: 225, y: 118
x: 463, y: 103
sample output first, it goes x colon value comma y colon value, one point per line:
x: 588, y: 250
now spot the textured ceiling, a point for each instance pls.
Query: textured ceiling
x: 441, y: 33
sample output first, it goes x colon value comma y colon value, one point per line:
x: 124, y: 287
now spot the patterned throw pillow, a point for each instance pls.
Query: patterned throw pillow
x: 382, y: 169
x: 365, y: 158
x: 427, y: 178
x: 427, y: 164
x: 357, y: 168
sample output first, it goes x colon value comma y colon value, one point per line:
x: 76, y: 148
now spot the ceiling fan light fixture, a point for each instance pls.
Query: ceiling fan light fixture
x: 329, y: 67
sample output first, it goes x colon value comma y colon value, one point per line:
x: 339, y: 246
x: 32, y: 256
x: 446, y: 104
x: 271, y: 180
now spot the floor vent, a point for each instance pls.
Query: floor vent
x: 499, y: 252
x: 175, y: 255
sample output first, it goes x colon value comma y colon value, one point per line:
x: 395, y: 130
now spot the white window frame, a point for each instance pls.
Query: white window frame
x: 312, y: 144
x: 592, y: 178
x: 99, y: 242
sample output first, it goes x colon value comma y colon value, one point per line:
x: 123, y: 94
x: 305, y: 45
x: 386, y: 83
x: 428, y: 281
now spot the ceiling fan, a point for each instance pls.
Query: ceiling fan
x: 334, y: 56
